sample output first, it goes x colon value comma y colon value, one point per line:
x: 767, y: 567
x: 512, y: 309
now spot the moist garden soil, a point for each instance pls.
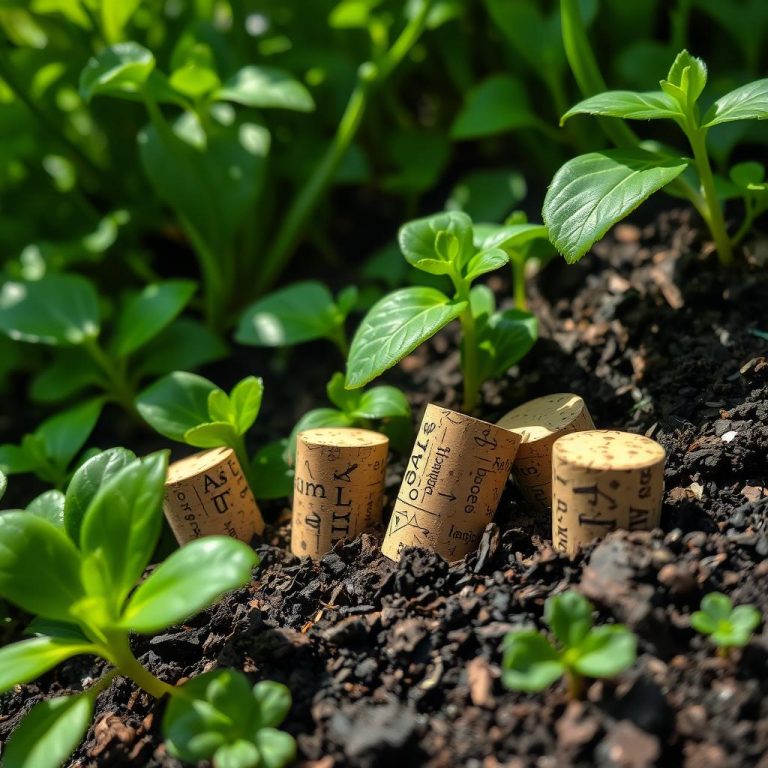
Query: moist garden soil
x: 400, y: 662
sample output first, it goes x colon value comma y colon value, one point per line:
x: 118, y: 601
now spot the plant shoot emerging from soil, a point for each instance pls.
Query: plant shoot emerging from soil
x: 532, y: 662
x: 726, y: 626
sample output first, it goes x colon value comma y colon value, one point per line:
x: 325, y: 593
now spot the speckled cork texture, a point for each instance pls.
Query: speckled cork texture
x: 539, y: 423
x: 338, y: 489
x: 603, y: 480
x: 452, y: 484
x: 206, y: 494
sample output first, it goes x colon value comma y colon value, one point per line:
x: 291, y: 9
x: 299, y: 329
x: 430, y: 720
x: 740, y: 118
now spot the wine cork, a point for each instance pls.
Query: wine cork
x: 452, y: 485
x: 539, y: 423
x: 339, y: 487
x: 603, y: 480
x: 207, y: 494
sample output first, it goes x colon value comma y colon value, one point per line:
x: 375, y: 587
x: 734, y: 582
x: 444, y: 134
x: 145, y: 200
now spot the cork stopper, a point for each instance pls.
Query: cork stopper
x: 539, y: 423
x: 603, y: 480
x: 206, y: 494
x: 452, y: 485
x: 339, y: 487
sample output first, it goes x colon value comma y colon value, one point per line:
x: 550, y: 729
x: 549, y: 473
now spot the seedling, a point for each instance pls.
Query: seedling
x: 298, y: 313
x: 383, y: 408
x: 532, y: 663
x: 590, y: 193
x: 492, y: 341
x: 74, y: 563
x: 727, y: 627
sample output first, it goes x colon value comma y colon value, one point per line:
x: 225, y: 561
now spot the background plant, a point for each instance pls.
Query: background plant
x: 727, y: 626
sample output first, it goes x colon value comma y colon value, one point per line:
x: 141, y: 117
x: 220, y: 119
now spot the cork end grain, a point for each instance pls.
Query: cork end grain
x: 543, y: 417
x: 342, y: 437
x: 197, y: 463
x: 608, y: 449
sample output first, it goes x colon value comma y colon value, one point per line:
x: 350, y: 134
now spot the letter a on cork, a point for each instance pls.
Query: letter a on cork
x: 452, y: 484
x: 603, y: 480
x: 539, y: 423
x: 206, y: 494
x: 338, y: 488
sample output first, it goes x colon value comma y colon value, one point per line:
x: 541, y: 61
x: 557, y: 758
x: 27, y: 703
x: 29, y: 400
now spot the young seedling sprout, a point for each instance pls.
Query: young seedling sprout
x: 532, y: 662
x: 727, y: 627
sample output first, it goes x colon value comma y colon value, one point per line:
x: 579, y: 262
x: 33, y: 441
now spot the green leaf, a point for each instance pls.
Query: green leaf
x: 395, y: 326
x: 175, y: 404
x: 273, y: 702
x: 3, y: 485
x: 219, y: 406
x: 484, y: 262
x: 383, y: 402
x: 504, y: 340
x: 344, y: 399
x: 122, y: 523
x: 237, y: 754
x: 49, y: 733
x: 246, y: 399
x: 717, y: 605
x: 214, y: 434
x: 606, y: 651
x: 497, y: 105
x: 297, y: 313
x: 747, y: 176
x: 271, y: 476
x: 276, y: 748
x: 185, y: 344
x: 592, y: 192
x: 64, y: 434
x: 56, y: 630
x: 508, y: 237
x: 49, y: 506
x: 569, y: 616
x: 39, y: 566
x: 750, y: 102
x: 24, y: 661
x: 530, y: 663
x: 61, y: 310
x: 631, y: 105
x: 197, y: 76
x: 704, y: 623
x: 71, y: 371
x: 85, y: 483
x: 316, y: 419
x: 148, y: 313
x: 115, y: 14
x: 191, y: 579
x: 15, y: 460
x: 744, y: 620
x: 121, y: 69
x: 487, y: 195
x: 437, y: 244
x: 688, y: 74
x: 266, y: 87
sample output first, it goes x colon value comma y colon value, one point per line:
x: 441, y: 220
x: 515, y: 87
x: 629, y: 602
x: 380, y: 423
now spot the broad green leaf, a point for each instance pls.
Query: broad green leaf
x: 184, y: 345
x: 49, y: 734
x: 509, y: 237
x: 24, y: 661
x: 487, y: 195
x: 530, y: 663
x: 750, y: 102
x: 344, y: 399
x: 121, y: 69
x: 748, y: 175
x: 115, y: 14
x: 56, y: 630
x: 219, y: 406
x: 352, y: 14
x: 266, y: 87
x: 39, y: 566
x: 717, y: 605
x: 744, y: 621
x: 276, y: 748
x: 122, y: 523
x: 85, y: 483
x: 592, y: 192
x: 346, y: 300
x: 606, y: 651
x: 64, y: 434
x: 273, y: 702
x: 704, y: 623
x: 246, y: 400
x: 71, y: 371
x: 504, y: 340
x: 292, y: 315
x: 383, y: 402
x: 3, y: 485
x: 395, y: 326
x: 239, y: 753
x: 148, y: 313
x: 569, y: 616
x: 271, y: 475
x: 482, y: 303
x: 49, y: 506
x: 175, y: 404
x: 191, y: 579
x: 61, y: 310
x: 484, y: 262
x: 14, y: 460
x: 213, y: 434
x: 689, y: 74
x: 631, y: 105
x: 197, y: 76
x: 435, y: 243
x: 318, y: 418
x: 497, y: 105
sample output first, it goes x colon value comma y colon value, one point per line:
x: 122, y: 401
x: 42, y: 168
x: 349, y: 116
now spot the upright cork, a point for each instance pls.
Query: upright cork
x: 452, y: 485
x: 339, y: 487
x: 603, y: 480
x: 539, y: 423
x: 207, y: 494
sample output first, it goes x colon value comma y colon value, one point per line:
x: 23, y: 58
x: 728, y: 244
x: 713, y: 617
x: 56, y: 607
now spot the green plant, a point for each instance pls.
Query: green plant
x: 492, y: 341
x: 727, y: 627
x: 297, y: 313
x: 590, y: 193
x: 531, y: 662
x: 73, y: 561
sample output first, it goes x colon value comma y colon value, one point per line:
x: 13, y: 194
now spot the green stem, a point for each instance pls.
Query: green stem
x: 118, y: 386
x: 469, y: 362
x: 714, y: 211
x: 574, y: 683
x: 369, y: 75
x: 120, y: 654
x: 518, y: 281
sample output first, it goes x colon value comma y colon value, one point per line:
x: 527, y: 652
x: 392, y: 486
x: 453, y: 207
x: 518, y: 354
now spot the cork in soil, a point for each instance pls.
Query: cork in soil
x: 400, y: 661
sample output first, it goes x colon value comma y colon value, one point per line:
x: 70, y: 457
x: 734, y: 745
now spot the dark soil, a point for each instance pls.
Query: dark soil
x: 401, y: 662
